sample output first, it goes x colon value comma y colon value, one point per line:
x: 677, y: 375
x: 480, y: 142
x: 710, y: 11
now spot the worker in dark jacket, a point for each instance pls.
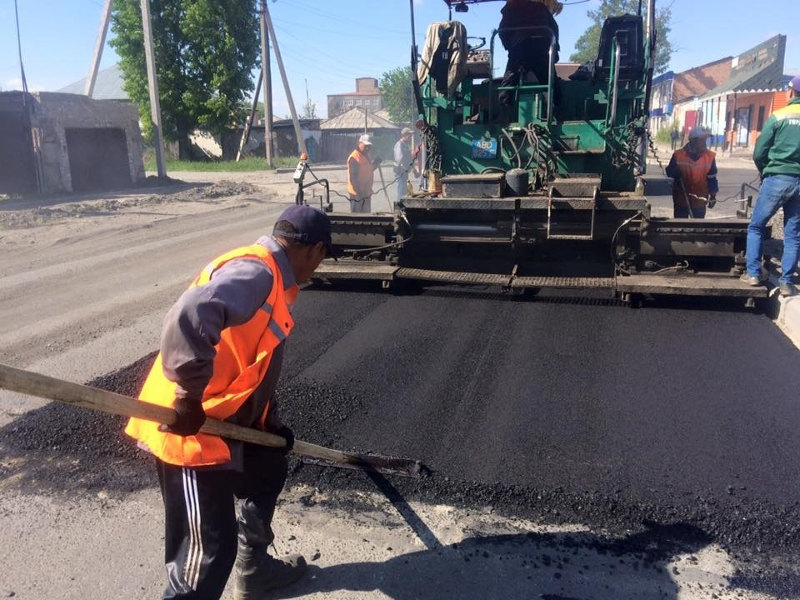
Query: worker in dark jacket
x: 523, y: 32
x: 222, y: 347
x: 693, y: 169
x: 777, y: 158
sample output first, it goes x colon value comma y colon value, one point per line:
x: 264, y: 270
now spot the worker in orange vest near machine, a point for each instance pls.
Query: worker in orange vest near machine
x: 360, y: 175
x: 693, y: 170
x: 222, y: 347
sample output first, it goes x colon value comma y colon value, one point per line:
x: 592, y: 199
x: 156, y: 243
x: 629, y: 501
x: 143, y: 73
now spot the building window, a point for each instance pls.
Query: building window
x: 760, y: 118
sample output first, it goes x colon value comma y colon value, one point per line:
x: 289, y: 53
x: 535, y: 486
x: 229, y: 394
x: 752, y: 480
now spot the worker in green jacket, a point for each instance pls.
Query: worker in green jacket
x: 777, y: 157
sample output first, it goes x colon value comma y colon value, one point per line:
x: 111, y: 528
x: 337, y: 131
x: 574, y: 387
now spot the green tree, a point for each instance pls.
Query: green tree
x: 309, y: 110
x: 587, y: 45
x: 397, y: 93
x: 205, y: 51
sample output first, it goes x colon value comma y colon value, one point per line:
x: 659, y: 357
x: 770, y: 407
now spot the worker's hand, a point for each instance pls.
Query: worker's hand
x: 191, y: 417
x: 376, y: 162
x: 712, y: 201
x: 287, y: 433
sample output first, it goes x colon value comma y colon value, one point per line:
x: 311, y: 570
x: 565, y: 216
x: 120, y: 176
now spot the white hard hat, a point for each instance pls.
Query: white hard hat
x: 365, y: 139
x: 698, y: 132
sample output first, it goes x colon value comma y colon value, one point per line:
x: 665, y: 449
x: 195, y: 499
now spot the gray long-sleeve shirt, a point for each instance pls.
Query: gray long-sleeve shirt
x: 402, y: 156
x: 193, y: 326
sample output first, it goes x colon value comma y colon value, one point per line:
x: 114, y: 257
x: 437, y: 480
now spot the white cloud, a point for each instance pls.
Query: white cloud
x: 16, y: 84
x: 12, y: 84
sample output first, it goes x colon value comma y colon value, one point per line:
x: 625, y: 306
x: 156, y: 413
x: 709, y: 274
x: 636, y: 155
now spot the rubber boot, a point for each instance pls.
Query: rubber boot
x: 255, y: 571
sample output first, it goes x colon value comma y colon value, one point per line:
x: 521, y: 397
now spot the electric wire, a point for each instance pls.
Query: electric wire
x: 19, y: 48
x: 614, y: 257
x: 514, y: 146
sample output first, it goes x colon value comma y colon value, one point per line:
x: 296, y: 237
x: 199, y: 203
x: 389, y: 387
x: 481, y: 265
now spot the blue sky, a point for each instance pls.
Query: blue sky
x: 326, y: 44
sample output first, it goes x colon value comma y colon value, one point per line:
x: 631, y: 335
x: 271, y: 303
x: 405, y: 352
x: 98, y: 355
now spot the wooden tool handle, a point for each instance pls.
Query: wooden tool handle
x: 43, y: 386
x: 35, y: 384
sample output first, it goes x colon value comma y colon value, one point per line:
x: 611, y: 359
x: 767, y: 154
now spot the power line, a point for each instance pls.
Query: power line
x: 322, y: 58
x: 19, y: 47
x: 314, y: 9
x: 386, y: 32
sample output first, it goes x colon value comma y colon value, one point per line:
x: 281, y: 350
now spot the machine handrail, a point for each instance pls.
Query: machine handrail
x: 614, y: 84
x: 550, y: 63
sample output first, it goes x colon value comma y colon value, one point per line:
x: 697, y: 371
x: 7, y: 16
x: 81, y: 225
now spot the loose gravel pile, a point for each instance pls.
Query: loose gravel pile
x: 22, y: 214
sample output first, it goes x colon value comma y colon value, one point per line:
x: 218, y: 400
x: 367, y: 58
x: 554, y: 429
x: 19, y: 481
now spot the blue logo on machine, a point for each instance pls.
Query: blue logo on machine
x: 484, y: 148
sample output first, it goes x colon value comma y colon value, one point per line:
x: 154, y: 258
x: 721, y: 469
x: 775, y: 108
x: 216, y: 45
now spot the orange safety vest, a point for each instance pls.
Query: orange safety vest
x: 694, y: 175
x: 366, y: 174
x: 242, y: 360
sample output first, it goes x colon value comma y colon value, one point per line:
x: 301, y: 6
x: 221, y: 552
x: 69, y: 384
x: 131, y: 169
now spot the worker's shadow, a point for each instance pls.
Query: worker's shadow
x: 555, y: 566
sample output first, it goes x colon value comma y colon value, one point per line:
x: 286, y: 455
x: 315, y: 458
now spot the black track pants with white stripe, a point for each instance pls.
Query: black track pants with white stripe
x: 200, y: 526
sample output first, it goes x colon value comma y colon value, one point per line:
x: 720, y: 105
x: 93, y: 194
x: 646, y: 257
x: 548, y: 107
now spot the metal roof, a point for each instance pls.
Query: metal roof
x: 760, y: 67
x: 353, y: 119
x: 107, y: 85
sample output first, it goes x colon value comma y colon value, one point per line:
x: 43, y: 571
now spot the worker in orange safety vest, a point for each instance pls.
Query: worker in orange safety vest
x: 222, y: 347
x: 361, y: 175
x: 693, y: 170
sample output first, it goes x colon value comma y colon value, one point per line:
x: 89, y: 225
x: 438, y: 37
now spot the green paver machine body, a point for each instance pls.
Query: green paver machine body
x: 544, y: 190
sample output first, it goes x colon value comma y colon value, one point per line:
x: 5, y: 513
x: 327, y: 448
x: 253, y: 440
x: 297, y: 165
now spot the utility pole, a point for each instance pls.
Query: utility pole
x: 98, y: 48
x: 152, y: 85
x: 249, y: 124
x: 267, y: 79
x: 301, y: 144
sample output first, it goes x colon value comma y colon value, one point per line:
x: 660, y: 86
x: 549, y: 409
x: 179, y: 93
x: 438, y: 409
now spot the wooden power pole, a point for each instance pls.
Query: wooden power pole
x: 249, y: 123
x: 152, y: 85
x: 267, y: 80
x: 98, y: 48
x: 301, y: 143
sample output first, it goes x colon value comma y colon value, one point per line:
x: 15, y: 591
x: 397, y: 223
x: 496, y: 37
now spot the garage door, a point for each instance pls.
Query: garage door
x: 17, y: 175
x: 98, y: 159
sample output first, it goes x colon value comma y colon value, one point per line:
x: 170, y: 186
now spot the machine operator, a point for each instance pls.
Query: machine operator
x: 522, y: 32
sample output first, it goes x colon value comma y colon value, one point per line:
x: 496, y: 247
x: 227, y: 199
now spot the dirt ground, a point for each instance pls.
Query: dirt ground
x: 35, y: 220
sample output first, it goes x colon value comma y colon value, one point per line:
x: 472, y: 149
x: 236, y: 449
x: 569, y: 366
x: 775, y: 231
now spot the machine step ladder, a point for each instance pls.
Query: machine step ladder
x: 581, y: 198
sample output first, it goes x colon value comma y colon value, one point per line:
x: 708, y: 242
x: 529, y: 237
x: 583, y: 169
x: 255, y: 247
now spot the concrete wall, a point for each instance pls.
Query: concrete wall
x: 18, y: 173
x: 54, y: 113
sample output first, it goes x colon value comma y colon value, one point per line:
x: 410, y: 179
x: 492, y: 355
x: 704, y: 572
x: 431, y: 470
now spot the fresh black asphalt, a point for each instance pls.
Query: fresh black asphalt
x: 561, y: 409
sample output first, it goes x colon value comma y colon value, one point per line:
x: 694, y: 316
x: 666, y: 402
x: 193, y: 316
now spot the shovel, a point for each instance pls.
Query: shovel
x: 34, y: 384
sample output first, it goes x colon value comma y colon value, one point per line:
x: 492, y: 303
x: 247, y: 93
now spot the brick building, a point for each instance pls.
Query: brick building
x: 671, y: 89
x: 367, y: 96
x: 735, y: 111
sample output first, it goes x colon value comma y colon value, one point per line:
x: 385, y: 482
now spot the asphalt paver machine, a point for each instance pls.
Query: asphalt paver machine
x: 538, y: 184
